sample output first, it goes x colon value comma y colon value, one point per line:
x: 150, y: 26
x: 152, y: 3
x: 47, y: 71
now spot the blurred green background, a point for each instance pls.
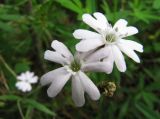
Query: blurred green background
x: 27, y: 28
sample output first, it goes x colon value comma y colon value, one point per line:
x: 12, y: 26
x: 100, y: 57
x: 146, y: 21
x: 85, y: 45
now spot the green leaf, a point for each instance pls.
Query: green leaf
x: 123, y: 110
x: 9, y: 97
x: 156, y: 4
x: 39, y: 106
x: 5, y: 27
x: 106, y: 8
x: 145, y: 16
x: 70, y: 5
x: 153, y: 86
x: 150, y: 98
x: 149, y: 73
x: 90, y: 6
x: 78, y: 3
x: 147, y: 112
x: 9, y: 17
x: 22, y: 67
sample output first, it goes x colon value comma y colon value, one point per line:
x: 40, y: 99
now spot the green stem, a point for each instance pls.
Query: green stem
x: 7, y: 67
x: 20, y: 109
x: 4, y: 81
x: 34, y: 91
x: 28, y: 113
x: 123, y: 4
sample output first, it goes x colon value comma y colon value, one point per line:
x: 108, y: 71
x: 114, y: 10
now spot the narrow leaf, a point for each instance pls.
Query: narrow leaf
x: 39, y: 106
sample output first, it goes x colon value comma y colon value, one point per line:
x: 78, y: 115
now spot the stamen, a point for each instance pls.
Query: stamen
x: 75, y: 66
x: 110, y: 37
x: 116, y: 29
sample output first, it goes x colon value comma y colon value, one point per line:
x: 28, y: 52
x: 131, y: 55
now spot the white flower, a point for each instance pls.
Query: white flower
x: 109, y: 40
x: 72, y: 67
x: 25, y: 80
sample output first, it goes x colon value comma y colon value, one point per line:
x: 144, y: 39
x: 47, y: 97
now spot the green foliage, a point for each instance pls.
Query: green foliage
x: 27, y: 28
x: 148, y: 113
x: 38, y: 106
x: 9, y: 97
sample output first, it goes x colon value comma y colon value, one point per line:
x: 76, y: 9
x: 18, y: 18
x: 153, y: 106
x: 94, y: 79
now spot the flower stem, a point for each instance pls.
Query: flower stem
x: 7, y: 66
x: 20, y: 109
x: 28, y: 113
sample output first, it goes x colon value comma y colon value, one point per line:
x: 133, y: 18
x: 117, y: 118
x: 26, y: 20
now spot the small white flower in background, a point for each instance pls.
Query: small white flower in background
x: 72, y: 67
x: 109, y: 40
x: 25, y: 80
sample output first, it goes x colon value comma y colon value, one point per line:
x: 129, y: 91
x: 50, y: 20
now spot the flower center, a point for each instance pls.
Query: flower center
x: 110, y: 37
x: 75, y: 66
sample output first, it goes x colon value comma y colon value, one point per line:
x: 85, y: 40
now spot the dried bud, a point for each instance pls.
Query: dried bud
x: 107, y: 88
x: 111, y: 86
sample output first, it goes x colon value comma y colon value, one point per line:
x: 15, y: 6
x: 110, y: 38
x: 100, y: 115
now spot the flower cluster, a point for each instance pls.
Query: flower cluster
x: 96, y: 51
x: 25, y: 80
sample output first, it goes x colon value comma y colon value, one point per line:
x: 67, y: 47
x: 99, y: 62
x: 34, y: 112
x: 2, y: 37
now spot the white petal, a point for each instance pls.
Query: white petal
x: 92, y: 22
x: 98, y: 67
x: 89, y: 44
x: 55, y: 74
x: 23, y: 86
x: 123, y: 30
x: 120, y: 24
x: 57, y: 84
x: 129, y: 51
x: 62, y: 49
x: 128, y: 31
x: 98, y: 54
x: 33, y: 80
x: 100, y: 17
x: 84, y: 55
x: 111, y: 64
x: 119, y: 59
x: 85, y: 34
x: 77, y: 91
x: 110, y: 58
x: 55, y: 57
x: 131, y: 30
x: 89, y: 86
x: 21, y: 77
x: 29, y: 74
x: 133, y: 45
